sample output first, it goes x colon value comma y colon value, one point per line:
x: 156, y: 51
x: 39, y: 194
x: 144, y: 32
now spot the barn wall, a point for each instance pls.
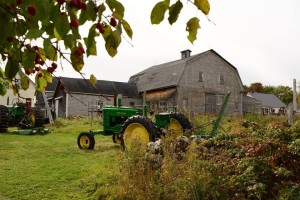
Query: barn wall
x: 251, y: 105
x: 192, y: 87
x: 84, y: 104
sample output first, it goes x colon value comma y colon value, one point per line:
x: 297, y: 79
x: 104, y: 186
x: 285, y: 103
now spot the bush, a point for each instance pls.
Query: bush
x: 262, y: 162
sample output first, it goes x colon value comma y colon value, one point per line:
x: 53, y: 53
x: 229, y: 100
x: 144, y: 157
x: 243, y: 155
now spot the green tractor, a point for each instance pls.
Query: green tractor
x: 22, y: 116
x: 128, y: 125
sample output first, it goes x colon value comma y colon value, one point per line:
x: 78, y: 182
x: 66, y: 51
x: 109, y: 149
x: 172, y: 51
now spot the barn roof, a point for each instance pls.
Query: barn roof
x: 268, y: 100
x: 102, y: 87
x: 168, y: 74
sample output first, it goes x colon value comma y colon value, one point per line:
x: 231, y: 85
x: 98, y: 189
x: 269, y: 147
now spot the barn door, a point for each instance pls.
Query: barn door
x: 210, y: 103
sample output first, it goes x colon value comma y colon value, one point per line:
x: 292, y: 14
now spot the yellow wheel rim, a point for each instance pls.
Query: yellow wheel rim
x: 136, y: 135
x: 84, y: 141
x: 175, y: 127
x: 31, y: 118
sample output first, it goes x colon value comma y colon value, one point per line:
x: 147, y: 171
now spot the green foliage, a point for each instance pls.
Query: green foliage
x: 295, y: 147
x: 55, y: 25
x: 239, y: 165
x: 255, y: 87
x: 192, y: 26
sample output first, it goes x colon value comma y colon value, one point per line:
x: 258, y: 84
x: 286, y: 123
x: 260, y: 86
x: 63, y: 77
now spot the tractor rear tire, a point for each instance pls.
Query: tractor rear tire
x: 86, y: 141
x: 35, y: 117
x: 3, y: 119
x: 138, y: 131
x: 179, y: 124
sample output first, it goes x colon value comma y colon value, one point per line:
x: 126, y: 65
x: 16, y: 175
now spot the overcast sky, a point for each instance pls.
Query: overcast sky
x: 261, y: 38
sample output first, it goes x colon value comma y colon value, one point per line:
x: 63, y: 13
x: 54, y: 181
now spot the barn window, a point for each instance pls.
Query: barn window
x: 200, y: 77
x: 221, y: 80
x: 131, y: 104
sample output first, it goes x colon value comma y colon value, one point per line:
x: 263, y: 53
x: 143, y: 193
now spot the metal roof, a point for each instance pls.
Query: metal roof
x: 168, y: 74
x: 52, y: 86
x: 268, y: 100
x: 102, y: 87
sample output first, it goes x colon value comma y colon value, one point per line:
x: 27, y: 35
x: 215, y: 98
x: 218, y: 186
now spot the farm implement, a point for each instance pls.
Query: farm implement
x: 127, y: 125
x: 28, y: 120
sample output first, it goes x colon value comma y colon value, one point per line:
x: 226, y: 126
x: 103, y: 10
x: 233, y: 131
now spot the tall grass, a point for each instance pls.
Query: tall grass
x: 233, y: 165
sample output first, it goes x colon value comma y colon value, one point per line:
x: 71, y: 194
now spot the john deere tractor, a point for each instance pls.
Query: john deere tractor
x: 20, y: 115
x: 128, y: 125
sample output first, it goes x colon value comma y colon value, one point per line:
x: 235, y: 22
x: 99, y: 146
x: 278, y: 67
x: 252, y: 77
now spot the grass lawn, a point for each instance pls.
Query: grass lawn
x: 52, y: 167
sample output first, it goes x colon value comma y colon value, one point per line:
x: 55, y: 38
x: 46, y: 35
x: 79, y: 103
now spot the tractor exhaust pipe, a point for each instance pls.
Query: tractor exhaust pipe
x: 119, y: 100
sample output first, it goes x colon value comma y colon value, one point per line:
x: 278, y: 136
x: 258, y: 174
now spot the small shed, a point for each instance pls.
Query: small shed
x: 270, y: 104
x: 76, y: 96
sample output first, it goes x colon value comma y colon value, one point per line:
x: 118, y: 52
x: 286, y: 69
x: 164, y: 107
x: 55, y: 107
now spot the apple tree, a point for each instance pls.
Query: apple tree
x: 37, y: 34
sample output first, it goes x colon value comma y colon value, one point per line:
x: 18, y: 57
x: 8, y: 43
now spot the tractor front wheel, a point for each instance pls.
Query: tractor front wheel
x: 35, y: 118
x: 86, y: 141
x: 178, y: 124
x: 138, y: 131
x: 3, y: 119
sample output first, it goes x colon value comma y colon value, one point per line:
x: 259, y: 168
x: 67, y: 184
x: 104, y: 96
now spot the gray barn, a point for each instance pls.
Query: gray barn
x: 193, y: 83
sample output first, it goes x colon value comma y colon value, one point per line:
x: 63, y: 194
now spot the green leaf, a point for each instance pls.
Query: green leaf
x: 112, y: 43
x: 43, y: 54
x: 76, y: 34
x: 34, y: 33
x: 6, y: 26
x: 107, y: 31
x: 69, y: 41
x: 90, y: 42
x: 61, y: 26
x: 89, y: 14
x: 11, y: 68
x: 42, y: 9
x: 158, y: 12
x: 77, y: 62
x: 50, y: 50
x: 28, y: 57
x: 40, y: 83
x: 101, y: 9
x: 47, y: 76
x: 203, y: 5
x: 192, y: 27
x: 2, y: 89
x: 127, y: 28
x: 174, y: 11
x: 93, y: 80
x: 2, y: 74
x: 117, y: 8
x: 24, y: 82
x: 49, y: 29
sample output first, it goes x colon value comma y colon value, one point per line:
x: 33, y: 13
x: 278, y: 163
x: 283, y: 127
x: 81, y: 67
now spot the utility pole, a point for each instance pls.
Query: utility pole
x: 294, y: 96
